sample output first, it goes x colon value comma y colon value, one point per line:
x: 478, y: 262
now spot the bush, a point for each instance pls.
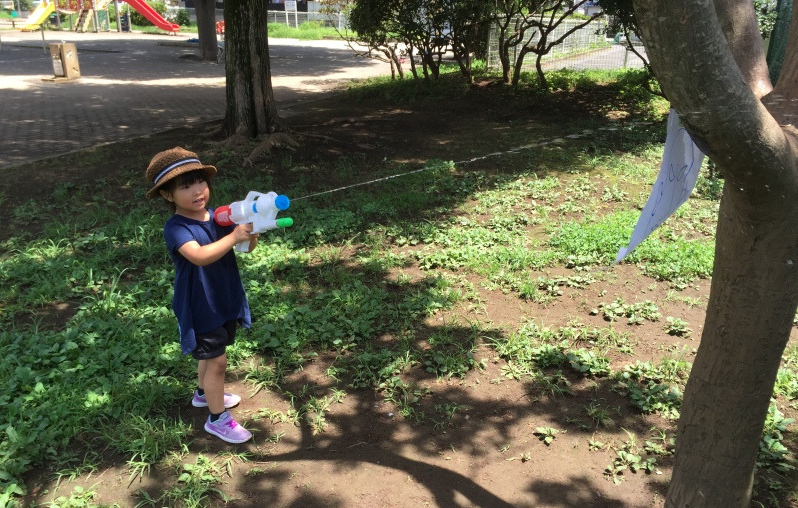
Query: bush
x: 7, y: 6
x: 181, y: 17
x: 136, y: 18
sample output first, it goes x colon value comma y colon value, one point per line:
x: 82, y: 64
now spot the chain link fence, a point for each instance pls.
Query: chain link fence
x: 586, y: 48
x: 294, y: 19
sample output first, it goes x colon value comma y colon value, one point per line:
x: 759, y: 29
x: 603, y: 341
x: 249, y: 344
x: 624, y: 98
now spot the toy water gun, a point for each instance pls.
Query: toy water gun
x: 257, y: 208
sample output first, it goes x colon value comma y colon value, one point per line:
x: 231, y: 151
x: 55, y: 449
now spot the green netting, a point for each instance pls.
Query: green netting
x: 778, y: 39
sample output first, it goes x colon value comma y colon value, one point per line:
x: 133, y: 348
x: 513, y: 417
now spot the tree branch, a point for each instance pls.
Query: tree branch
x: 742, y: 33
x: 699, y: 74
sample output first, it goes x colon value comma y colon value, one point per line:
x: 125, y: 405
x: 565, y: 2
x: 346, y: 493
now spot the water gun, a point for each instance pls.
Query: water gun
x: 257, y: 208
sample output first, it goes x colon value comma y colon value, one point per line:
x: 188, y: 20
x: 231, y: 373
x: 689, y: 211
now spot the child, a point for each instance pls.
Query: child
x: 209, y: 299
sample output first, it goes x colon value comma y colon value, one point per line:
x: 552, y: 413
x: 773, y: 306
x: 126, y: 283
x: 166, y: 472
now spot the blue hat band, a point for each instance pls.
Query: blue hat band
x: 173, y: 166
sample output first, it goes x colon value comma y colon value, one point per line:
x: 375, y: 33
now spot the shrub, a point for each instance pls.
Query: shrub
x: 136, y: 18
x: 181, y: 17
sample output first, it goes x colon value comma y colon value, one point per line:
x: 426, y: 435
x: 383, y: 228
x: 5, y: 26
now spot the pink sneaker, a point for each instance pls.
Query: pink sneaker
x: 230, y: 400
x: 227, y: 429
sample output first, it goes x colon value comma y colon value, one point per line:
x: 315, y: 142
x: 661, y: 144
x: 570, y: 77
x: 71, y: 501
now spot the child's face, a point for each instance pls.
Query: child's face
x: 190, y: 200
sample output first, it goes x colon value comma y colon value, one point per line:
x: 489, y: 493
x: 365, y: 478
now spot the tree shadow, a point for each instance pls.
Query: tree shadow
x: 574, y: 492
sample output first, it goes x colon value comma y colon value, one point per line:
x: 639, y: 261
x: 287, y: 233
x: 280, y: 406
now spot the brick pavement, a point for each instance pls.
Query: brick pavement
x: 137, y: 84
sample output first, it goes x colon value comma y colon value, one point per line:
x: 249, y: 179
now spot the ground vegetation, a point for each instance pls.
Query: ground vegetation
x: 440, y: 326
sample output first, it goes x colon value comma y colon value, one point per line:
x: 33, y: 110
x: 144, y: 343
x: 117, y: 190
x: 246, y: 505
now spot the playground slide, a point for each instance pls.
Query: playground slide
x: 38, y: 16
x: 153, y: 16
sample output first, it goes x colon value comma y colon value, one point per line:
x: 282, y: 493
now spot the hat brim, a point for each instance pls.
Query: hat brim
x: 186, y: 168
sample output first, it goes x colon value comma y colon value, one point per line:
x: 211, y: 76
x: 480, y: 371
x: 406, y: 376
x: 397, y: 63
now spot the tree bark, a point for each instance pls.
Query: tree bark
x: 206, y: 28
x: 251, y: 110
x: 712, y: 69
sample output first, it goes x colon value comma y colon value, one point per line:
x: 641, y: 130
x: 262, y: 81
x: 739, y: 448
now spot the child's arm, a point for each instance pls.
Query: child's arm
x: 203, y: 255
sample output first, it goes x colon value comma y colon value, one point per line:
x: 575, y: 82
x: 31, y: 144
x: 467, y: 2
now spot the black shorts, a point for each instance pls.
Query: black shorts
x: 213, y: 344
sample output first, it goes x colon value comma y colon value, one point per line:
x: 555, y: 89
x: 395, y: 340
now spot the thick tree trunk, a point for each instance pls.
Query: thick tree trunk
x: 710, y: 65
x: 251, y: 110
x: 750, y: 312
x: 206, y: 28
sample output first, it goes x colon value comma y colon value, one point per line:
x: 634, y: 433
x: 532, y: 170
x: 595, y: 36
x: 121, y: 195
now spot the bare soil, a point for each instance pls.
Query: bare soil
x: 370, y: 456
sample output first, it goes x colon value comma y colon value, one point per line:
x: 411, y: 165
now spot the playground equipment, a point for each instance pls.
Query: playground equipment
x: 88, y: 13
x: 153, y: 16
x: 220, y: 42
x: 97, y: 15
x: 38, y: 16
x: 92, y: 12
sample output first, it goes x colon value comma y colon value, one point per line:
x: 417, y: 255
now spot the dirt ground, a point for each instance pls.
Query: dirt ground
x: 369, y: 456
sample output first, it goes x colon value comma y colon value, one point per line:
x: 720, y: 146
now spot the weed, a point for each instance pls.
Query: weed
x: 85, y: 467
x: 709, y: 183
x: 554, y: 385
x: 596, y: 445
x: 146, y: 440
x: 79, y: 498
x: 315, y: 409
x: 276, y: 437
x: 656, y: 398
x: 196, y: 485
x: 629, y: 458
x: 786, y: 383
x: 262, y: 377
x: 629, y: 461
x: 676, y: 326
x: 613, y: 194
x: 690, y: 301
x: 600, y: 415
x: 635, y: 312
x: 272, y: 415
x: 405, y: 397
x: 589, y: 363
x: 446, y: 412
x: 546, y: 434
x: 773, y: 455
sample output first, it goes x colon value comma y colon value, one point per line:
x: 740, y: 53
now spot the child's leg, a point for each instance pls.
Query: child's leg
x: 211, y: 367
x: 201, y: 368
x: 211, y: 379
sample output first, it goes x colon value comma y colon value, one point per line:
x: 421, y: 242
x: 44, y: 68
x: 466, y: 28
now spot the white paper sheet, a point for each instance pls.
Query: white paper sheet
x: 681, y: 161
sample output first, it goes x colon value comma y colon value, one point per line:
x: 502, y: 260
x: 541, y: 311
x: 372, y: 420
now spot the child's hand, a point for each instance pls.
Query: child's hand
x: 243, y: 233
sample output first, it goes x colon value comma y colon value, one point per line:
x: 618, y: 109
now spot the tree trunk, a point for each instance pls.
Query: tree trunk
x: 518, y: 66
x: 206, y: 28
x: 251, y: 110
x: 751, y: 307
x: 710, y: 65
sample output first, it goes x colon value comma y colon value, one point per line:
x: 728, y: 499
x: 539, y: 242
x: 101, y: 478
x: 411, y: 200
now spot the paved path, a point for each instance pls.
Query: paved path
x: 137, y: 84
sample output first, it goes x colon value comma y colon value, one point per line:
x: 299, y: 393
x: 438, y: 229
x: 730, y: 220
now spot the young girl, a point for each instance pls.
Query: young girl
x: 209, y: 299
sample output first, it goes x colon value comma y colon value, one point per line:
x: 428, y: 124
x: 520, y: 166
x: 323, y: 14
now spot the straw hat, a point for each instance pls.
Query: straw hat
x: 171, y: 163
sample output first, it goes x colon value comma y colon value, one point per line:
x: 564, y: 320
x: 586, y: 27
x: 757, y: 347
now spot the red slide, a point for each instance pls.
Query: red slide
x: 153, y: 16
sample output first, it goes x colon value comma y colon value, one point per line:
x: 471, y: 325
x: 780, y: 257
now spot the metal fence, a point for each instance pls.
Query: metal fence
x: 586, y: 48
x: 336, y: 20
x: 294, y: 19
